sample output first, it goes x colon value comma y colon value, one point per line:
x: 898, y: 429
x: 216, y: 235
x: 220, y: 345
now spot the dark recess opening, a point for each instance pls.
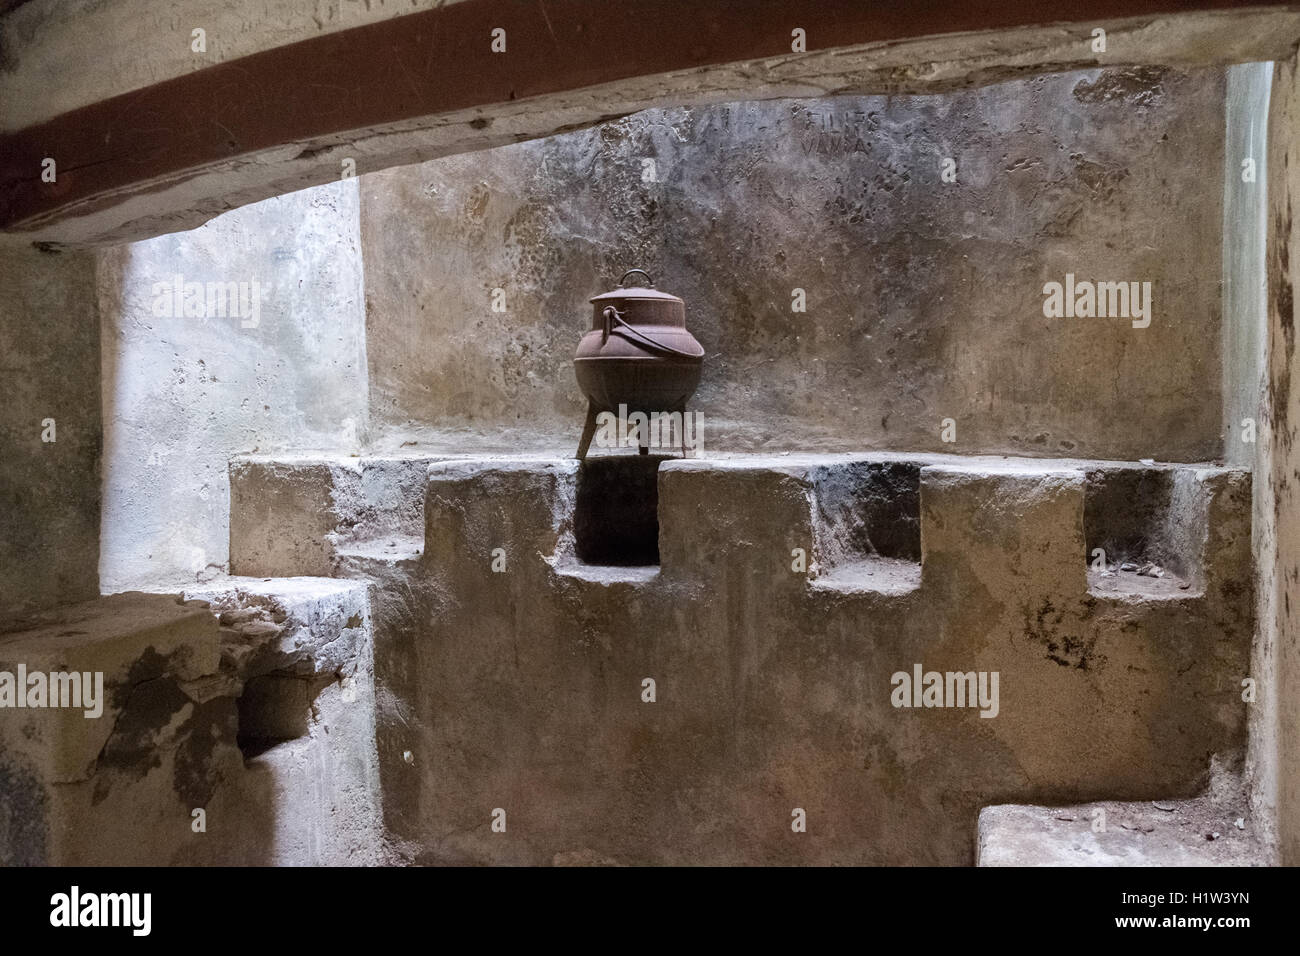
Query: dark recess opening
x: 1123, y: 510
x: 275, y: 708
x: 616, y: 521
x: 873, y: 509
x: 1149, y: 523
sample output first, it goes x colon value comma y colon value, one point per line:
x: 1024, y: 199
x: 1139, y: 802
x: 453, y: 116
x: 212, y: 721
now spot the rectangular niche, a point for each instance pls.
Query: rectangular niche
x: 276, y: 708
x: 1151, y: 525
x: 867, y: 526
x: 616, y: 519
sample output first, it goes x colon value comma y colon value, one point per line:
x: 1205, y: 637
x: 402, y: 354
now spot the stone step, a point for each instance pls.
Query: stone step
x: 1195, y: 832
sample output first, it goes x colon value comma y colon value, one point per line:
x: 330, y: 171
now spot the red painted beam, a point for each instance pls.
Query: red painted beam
x: 441, y: 60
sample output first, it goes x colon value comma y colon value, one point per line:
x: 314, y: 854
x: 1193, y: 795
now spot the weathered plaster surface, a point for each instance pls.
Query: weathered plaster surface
x: 923, y: 298
x: 185, y: 685
x: 1275, y: 742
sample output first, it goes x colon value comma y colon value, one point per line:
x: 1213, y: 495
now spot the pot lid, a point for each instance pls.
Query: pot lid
x: 647, y: 291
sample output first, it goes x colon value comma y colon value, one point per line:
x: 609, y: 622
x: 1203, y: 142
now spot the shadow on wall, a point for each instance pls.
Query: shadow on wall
x: 50, y: 430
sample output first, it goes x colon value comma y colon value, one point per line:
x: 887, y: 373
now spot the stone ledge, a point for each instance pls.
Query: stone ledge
x: 606, y: 574
x: 890, y: 577
x: 333, y: 516
x: 302, y: 626
x: 1149, y: 833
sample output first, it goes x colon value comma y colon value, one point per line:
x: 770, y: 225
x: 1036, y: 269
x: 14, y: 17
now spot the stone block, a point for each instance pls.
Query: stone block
x: 524, y: 508
x: 1004, y: 529
x: 283, y: 515
x: 737, y: 524
x: 293, y: 517
x: 237, y: 728
x: 129, y: 639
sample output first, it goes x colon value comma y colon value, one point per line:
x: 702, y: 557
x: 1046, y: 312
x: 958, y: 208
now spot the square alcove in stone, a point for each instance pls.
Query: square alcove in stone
x: 616, y: 519
x: 1144, y: 530
x: 867, y: 526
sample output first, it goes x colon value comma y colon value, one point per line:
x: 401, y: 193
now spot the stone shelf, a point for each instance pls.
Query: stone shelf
x: 608, y: 573
x: 1129, y: 585
x: 887, y: 576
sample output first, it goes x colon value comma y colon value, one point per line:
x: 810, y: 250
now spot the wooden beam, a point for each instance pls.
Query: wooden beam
x: 412, y: 69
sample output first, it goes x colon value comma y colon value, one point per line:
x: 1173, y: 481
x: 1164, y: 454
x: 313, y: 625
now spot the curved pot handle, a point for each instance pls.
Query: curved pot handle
x: 650, y: 283
x: 614, y: 323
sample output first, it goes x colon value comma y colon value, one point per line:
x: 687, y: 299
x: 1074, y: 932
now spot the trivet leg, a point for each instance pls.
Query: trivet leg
x: 588, y: 432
